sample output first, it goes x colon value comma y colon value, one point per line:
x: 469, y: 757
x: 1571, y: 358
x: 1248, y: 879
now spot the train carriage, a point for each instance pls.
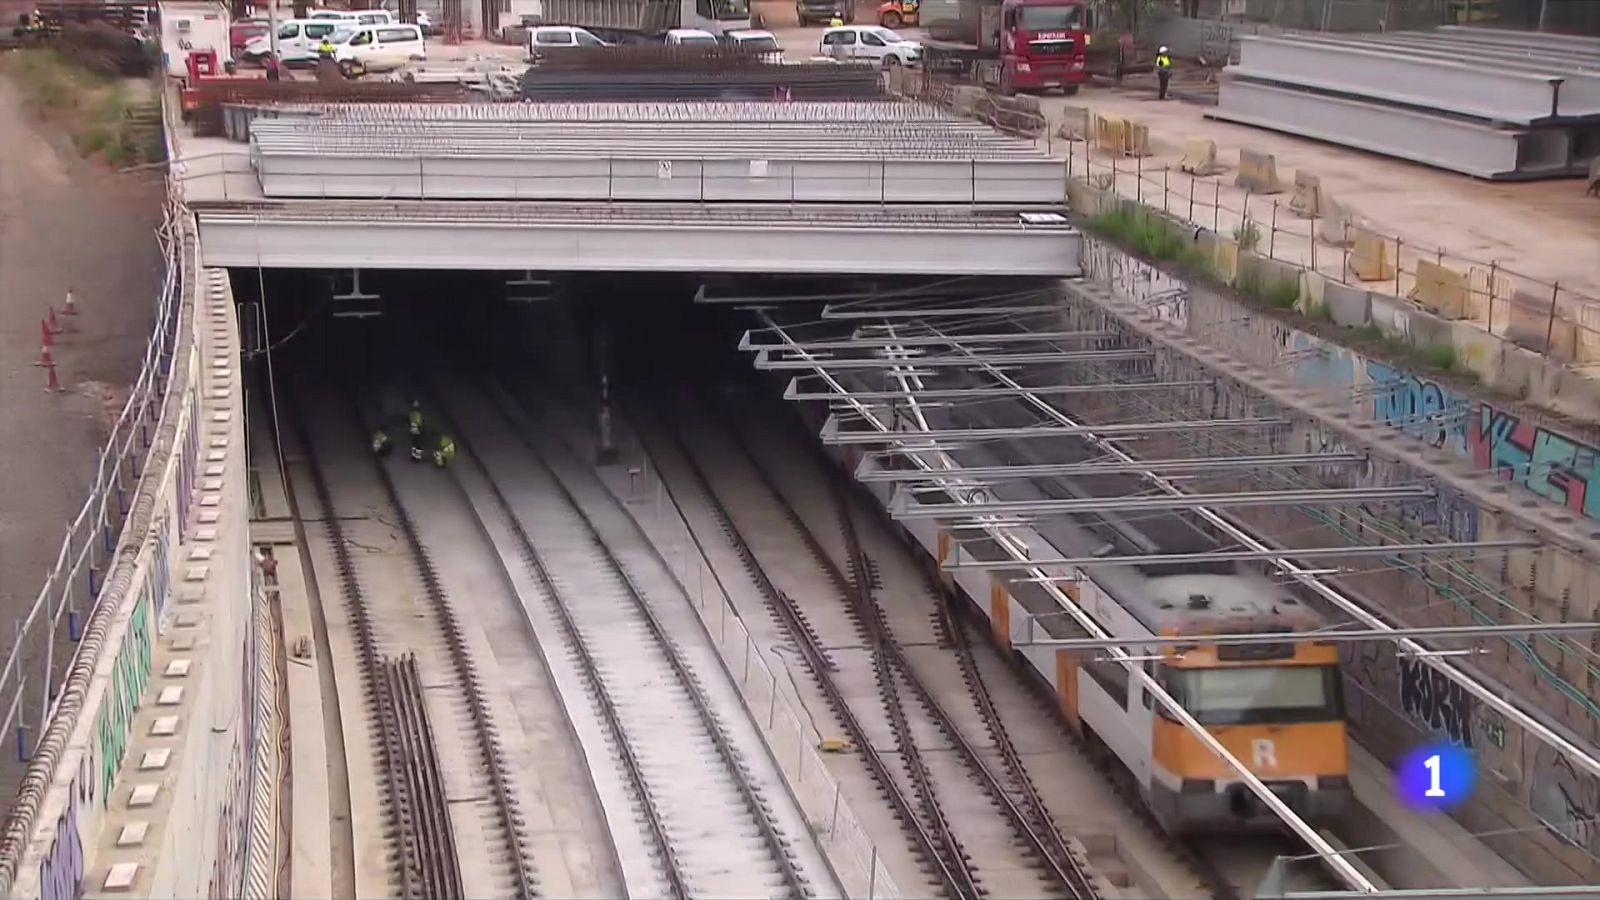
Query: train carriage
x: 1277, y: 707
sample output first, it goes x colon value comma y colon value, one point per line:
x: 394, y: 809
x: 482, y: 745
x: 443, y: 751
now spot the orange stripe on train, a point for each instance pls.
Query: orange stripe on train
x: 1312, y: 748
x: 1000, y: 609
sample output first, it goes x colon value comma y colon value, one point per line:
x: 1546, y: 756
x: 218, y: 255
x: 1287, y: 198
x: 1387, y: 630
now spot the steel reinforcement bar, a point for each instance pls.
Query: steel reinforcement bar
x: 777, y: 845
x: 526, y: 882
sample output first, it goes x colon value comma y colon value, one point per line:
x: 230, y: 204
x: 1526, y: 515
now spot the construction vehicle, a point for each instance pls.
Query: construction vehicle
x: 899, y: 13
x: 646, y: 21
x: 1008, y: 45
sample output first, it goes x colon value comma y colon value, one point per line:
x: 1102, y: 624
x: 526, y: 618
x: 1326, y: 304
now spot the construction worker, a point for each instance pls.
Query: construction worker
x: 381, y: 443
x: 445, y: 452
x: 1163, y: 72
x: 414, y: 418
x: 835, y: 22
x: 325, y: 48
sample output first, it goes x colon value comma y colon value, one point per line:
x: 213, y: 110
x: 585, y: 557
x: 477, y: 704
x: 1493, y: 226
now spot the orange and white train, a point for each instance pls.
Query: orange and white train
x: 1277, y: 707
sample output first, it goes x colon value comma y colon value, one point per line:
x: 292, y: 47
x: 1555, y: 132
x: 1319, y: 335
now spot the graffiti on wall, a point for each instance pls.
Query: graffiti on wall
x: 1440, y: 706
x: 61, y: 872
x: 128, y: 678
x: 1421, y: 408
x: 1565, y: 800
x: 1453, y: 514
x: 1551, y: 465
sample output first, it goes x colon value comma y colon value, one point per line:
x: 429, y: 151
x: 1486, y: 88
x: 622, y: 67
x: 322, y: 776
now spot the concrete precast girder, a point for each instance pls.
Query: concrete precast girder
x: 1445, y: 143
x: 1472, y: 90
x: 417, y: 236
x: 1024, y: 182
x: 1571, y: 42
x: 1423, y: 43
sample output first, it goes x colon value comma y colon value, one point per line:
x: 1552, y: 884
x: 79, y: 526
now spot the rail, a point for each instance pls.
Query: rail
x: 776, y: 844
x: 791, y: 734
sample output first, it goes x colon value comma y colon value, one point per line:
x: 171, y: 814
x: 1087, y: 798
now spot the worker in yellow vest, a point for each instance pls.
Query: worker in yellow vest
x: 1163, y: 72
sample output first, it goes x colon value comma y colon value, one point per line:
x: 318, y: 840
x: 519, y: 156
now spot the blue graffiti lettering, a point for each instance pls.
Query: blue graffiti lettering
x: 1420, y: 408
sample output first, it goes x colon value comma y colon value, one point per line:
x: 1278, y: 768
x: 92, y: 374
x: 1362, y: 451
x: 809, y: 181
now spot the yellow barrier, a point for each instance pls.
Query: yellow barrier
x: 1199, y: 157
x: 1370, y: 261
x: 1258, y: 173
x: 1440, y: 290
x: 1307, y: 200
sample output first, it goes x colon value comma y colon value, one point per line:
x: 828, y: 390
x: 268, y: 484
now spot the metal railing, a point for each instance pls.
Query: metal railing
x: 56, y: 619
x: 1543, y: 316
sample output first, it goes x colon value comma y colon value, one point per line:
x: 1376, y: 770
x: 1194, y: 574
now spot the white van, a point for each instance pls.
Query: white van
x: 690, y: 37
x: 380, y: 48
x: 356, y: 16
x: 297, y: 40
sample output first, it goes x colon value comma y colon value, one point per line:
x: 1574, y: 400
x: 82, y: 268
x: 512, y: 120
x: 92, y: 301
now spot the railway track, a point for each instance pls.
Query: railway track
x: 937, y: 759
x: 703, y: 813
x: 425, y: 853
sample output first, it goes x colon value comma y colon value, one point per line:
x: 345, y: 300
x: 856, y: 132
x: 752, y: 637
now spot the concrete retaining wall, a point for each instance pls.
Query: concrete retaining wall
x: 1419, y: 431
x: 193, y: 831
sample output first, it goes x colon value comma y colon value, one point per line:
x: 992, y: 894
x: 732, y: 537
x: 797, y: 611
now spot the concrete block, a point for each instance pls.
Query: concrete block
x: 1370, y: 260
x: 1387, y: 313
x: 1339, y: 222
x: 1476, y: 349
x: 1533, y: 327
x: 1348, y: 306
x: 965, y: 99
x: 1307, y: 200
x: 1226, y: 261
x: 1074, y: 123
x: 1313, y: 290
x: 1427, y: 330
x: 1199, y: 157
x: 1440, y: 290
x: 1123, y: 137
x: 1587, y: 319
x: 1258, y: 172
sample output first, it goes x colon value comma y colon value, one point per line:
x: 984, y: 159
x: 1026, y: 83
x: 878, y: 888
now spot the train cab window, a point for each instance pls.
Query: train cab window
x: 1281, y: 694
x: 1112, y: 678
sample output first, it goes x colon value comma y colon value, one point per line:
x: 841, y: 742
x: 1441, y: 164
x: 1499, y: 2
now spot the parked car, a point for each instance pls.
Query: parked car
x: 557, y: 38
x: 869, y: 42
x: 690, y: 37
x: 379, y: 48
x: 242, y: 31
x: 751, y: 40
x: 297, y: 41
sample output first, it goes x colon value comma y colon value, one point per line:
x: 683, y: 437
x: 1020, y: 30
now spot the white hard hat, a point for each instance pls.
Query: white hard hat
x: 1163, y: 49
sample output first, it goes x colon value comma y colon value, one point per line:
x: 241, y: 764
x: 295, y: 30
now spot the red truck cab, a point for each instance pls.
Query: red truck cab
x: 1042, y: 45
x: 1009, y: 45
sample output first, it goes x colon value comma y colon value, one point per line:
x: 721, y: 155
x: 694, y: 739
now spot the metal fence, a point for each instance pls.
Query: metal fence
x: 55, y: 621
x: 1544, y: 316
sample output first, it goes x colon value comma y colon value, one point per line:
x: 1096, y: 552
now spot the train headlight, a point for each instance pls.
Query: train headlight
x: 1199, y: 786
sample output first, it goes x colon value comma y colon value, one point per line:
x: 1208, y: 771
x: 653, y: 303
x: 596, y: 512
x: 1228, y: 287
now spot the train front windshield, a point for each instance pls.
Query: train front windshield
x: 1270, y: 694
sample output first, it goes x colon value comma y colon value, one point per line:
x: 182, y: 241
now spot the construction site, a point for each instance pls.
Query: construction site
x: 969, y: 448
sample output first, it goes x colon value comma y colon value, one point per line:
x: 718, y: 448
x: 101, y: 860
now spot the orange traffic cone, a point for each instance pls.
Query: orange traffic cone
x: 72, y: 305
x: 54, y: 383
x: 46, y: 360
x: 51, y: 322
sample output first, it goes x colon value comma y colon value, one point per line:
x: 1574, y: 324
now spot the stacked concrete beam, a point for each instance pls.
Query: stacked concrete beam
x: 884, y: 153
x: 1492, y: 104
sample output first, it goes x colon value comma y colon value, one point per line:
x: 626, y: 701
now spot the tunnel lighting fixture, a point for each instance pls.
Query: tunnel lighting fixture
x: 870, y: 469
x: 765, y: 362
x: 793, y: 392
x: 829, y: 312
x: 832, y: 436
x: 902, y: 507
x: 860, y: 342
x: 1183, y: 559
x: 1342, y: 636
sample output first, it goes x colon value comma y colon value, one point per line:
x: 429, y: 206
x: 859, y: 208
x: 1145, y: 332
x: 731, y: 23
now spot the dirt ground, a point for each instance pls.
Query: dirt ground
x: 63, y: 223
